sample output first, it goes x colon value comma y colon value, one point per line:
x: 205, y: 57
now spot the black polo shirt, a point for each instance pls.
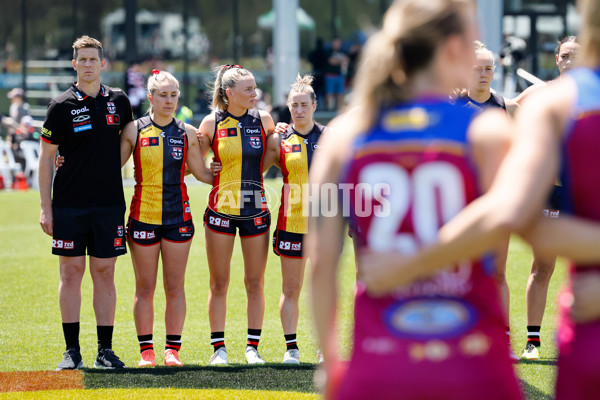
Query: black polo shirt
x: 87, y: 132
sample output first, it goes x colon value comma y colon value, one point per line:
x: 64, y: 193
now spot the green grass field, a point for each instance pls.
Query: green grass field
x: 31, y: 335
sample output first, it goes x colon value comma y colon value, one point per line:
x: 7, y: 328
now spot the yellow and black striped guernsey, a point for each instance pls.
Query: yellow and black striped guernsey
x: 160, y: 196
x: 239, y: 145
x: 295, y: 157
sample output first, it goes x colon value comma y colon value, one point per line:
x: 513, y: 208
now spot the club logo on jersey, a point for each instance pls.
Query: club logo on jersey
x: 118, y: 242
x: 255, y: 142
x: 112, y: 119
x: 120, y: 230
x: 251, y: 130
x: 176, y: 142
x: 63, y: 244
x: 227, y: 132
x: 423, y: 318
x: 177, y: 153
x: 110, y: 106
x: 146, y: 142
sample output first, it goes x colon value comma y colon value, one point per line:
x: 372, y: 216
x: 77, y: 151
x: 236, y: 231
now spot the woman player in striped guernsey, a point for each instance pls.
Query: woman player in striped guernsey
x: 160, y: 219
x: 556, y: 134
x: 410, y: 160
x: 298, y: 144
x: 240, y: 137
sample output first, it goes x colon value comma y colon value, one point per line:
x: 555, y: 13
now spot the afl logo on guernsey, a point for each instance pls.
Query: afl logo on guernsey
x: 255, y: 142
x: 427, y: 318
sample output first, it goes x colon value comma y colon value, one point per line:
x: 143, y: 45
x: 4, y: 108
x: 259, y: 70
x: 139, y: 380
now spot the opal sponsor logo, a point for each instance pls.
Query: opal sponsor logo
x: 79, y: 110
x: 252, y: 130
x: 176, y: 141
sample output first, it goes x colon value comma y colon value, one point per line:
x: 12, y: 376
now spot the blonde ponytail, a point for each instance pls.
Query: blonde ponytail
x: 227, y: 76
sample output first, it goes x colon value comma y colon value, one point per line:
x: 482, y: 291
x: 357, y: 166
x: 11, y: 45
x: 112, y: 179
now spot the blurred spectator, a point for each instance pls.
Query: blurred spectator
x: 337, y: 68
x: 19, y: 124
x: 25, y: 131
x: 318, y: 58
x: 353, y: 58
x: 183, y: 113
x: 135, y: 89
x: 261, y: 101
x: 18, y: 107
x: 202, y: 102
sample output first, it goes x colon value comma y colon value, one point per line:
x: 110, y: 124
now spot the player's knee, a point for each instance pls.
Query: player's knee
x: 71, y: 273
x: 291, y: 289
x: 218, y: 286
x: 254, y: 285
x: 174, y: 289
x: 103, y: 272
x: 145, y: 292
x: 542, y: 270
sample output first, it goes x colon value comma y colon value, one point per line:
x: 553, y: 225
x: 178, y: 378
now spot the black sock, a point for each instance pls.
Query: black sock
x: 173, y: 342
x: 146, y: 342
x: 253, y: 337
x: 104, y: 336
x: 533, y: 335
x: 290, y: 341
x: 217, y: 339
x: 71, y: 333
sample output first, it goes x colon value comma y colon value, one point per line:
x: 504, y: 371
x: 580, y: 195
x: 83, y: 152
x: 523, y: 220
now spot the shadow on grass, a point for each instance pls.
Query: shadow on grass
x: 278, y: 377
x: 547, y: 361
x: 533, y: 393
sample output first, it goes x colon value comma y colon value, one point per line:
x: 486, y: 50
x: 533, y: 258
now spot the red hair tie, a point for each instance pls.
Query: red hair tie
x: 155, y: 72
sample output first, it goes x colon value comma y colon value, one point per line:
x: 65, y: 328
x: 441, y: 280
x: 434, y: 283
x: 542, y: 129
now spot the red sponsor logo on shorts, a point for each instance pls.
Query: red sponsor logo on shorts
x: 185, y: 229
x: 258, y: 221
x: 63, y: 244
x: 118, y: 242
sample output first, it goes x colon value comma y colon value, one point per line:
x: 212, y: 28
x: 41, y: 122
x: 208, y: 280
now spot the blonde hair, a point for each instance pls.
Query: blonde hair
x: 156, y: 79
x: 411, y: 33
x: 590, y: 32
x: 480, y: 49
x: 227, y: 77
x: 86, y: 42
x: 303, y: 84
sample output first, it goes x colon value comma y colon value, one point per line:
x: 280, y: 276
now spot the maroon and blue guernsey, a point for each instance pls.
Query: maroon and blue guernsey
x: 440, y: 338
x: 579, y: 361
